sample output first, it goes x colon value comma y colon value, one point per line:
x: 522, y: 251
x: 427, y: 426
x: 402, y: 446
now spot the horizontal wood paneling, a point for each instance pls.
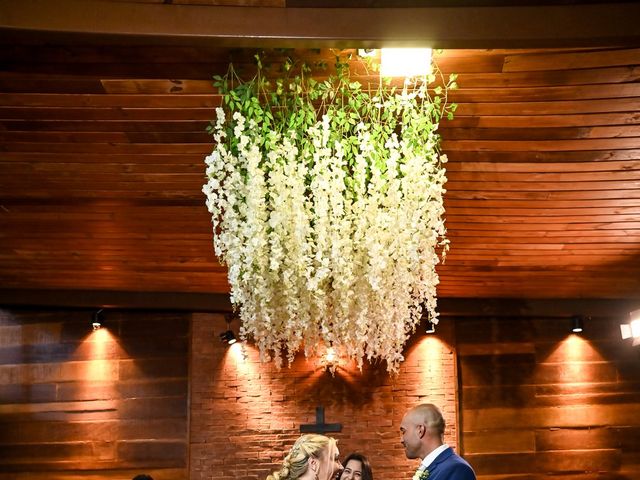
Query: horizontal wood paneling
x: 538, y: 401
x: 107, y: 403
x: 101, y: 162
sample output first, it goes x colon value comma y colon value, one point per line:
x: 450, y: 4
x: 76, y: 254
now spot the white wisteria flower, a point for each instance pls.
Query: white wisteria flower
x: 332, y: 227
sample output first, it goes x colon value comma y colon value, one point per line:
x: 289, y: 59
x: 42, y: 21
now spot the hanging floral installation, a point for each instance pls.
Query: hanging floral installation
x: 327, y: 206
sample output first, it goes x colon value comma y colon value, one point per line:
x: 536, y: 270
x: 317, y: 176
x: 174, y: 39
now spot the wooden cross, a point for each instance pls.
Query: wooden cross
x: 320, y: 426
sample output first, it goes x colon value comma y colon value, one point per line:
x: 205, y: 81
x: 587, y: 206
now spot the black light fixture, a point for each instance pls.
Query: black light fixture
x: 228, y: 337
x: 577, y: 324
x: 96, y: 322
x: 431, y: 327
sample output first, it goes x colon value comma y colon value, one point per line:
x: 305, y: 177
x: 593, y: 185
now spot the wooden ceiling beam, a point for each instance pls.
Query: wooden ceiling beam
x: 210, y: 302
x: 606, y: 24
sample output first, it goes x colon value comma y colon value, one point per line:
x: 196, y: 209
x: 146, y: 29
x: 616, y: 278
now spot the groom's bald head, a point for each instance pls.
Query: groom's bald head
x: 430, y: 416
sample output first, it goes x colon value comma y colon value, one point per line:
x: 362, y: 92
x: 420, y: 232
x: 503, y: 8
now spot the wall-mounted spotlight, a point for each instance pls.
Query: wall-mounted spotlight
x: 632, y: 329
x: 96, y: 322
x: 228, y: 337
x: 577, y: 324
x: 431, y: 327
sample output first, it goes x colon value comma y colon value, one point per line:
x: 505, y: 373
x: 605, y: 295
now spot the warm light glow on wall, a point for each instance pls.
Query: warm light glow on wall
x: 575, y: 349
x: 237, y: 354
x: 99, y: 366
x: 405, y: 62
x: 573, y: 360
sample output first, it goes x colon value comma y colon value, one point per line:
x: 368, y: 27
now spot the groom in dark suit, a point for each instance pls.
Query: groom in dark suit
x: 422, y: 431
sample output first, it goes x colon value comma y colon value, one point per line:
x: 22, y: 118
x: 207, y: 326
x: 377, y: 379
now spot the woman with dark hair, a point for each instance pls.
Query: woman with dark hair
x: 356, y: 467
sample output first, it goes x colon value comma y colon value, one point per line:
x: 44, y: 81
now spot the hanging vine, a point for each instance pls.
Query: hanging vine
x: 326, y: 198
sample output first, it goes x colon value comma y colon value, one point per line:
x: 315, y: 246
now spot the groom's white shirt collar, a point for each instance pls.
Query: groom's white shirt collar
x: 428, y: 460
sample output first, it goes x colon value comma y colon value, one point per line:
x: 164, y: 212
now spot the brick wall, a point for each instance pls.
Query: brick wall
x: 245, y: 415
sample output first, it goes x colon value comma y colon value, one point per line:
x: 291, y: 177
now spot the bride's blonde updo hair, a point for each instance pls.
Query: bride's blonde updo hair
x: 296, y: 462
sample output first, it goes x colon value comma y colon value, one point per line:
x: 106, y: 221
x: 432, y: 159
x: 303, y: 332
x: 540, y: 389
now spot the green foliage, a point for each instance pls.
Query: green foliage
x: 284, y: 96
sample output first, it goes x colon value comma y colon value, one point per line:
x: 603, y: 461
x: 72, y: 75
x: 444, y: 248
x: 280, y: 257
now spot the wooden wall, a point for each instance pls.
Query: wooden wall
x: 538, y: 402
x: 535, y: 402
x: 80, y: 404
x: 102, y: 149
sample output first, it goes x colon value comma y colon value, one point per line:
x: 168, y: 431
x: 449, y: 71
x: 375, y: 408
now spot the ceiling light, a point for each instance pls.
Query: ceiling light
x: 405, y: 62
x: 431, y: 327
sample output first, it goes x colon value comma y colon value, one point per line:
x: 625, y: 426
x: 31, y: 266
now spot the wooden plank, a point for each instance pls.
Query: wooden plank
x: 527, y: 94
x: 157, y: 86
x: 523, y: 396
x: 149, y: 451
x: 22, y: 168
x: 105, y: 113
x: 27, y: 393
x: 527, y: 373
x: 543, y: 157
x: 200, y: 148
x: 542, y: 177
x: 120, y: 100
x: 109, y: 349
x: 137, y: 388
x: 549, y: 462
x: 550, y: 417
x: 567, y: 167
x: 608, y: 187
x: 514, y: 194
x: 549, y: 108
x: 35, y: 334
x: 104, y: 126
x: 157, y: 474
x: 97, y: 370
x: 47, y: 452
x: 82, y: 465
x: 534, y: 134
x: 87, y: 53
x: 505, y: 441
x: 58, y: 432
x: 540, y: 121
x: 586, y: 76
x: 542, y: 145
x: 485, y: 27
x: 106, y: 137
x: 568, y: 61
x: 31, y: 277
